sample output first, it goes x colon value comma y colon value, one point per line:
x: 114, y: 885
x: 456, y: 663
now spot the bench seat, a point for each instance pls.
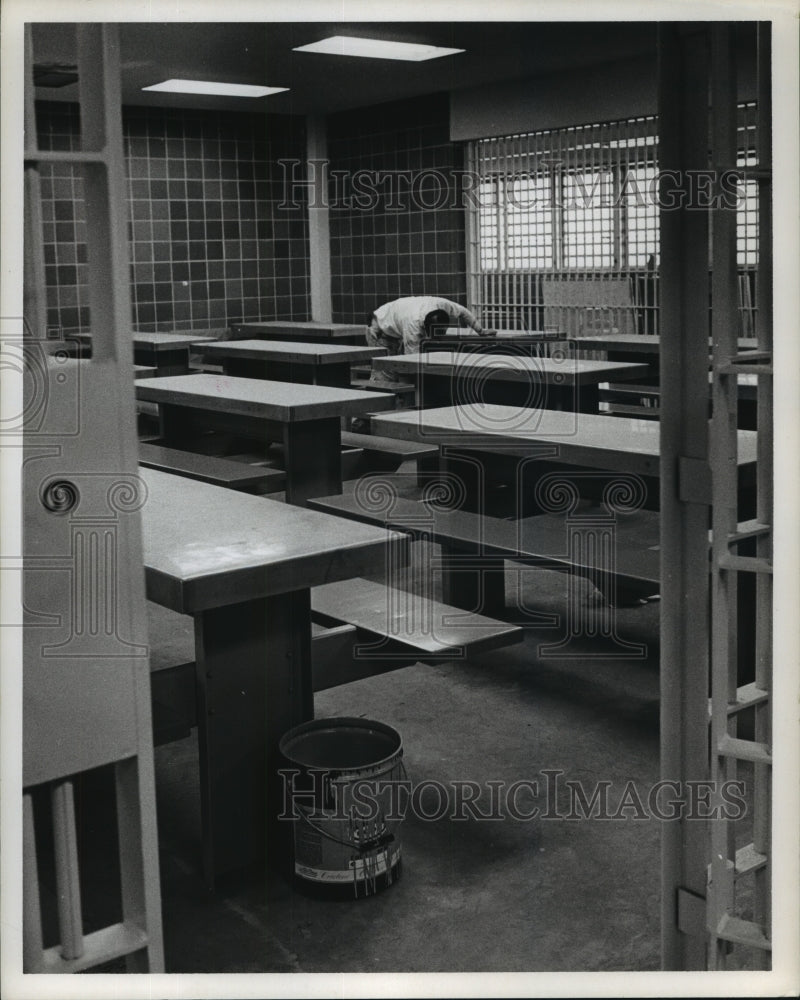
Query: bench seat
x: 211, y: 469
x: 382, y: 454
x: 404, y: 390
x: 333, y: 647
x: 538, y: 540
x: 416, y: 624
x: 630, y: 400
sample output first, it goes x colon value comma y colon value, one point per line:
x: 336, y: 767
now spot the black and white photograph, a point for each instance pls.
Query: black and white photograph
x: 399, y: 561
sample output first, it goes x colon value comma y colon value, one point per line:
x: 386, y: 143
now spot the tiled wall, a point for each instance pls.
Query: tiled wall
x: 210, y: 244
x: 406, y: 238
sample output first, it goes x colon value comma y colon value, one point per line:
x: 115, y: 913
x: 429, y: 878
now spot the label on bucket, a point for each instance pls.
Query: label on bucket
x: 356, y: 870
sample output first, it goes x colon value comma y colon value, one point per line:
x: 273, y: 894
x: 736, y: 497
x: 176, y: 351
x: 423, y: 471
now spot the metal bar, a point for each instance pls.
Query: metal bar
x: 682, y: 103
x: 472, y: 235
x: 32, y: 946
x: 743, y: 932
x: 750, y: 564
x: 34, y: 295
x: 105, y: 195
x: 138, y: 856
x: 68, y: 891
x: 111, y: 942
x: 64, y: 156
x: 733, y: 748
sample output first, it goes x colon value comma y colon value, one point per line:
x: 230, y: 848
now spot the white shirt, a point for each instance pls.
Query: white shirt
x: 404, y: 319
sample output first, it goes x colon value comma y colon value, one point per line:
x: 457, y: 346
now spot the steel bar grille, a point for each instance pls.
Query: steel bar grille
x: 739, y: 890
x: 564, y: 231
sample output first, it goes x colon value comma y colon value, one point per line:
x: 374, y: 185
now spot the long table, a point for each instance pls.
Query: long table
x: 242, y: 566
x: 532, y: 343
x: 524, y: 438
x: 548, y: 460
x: 632, y: 347
x: 166, y: 353
x: 287, y: 361
x: 310, y: 331
x: 305, y: 418
x: 448, y: 378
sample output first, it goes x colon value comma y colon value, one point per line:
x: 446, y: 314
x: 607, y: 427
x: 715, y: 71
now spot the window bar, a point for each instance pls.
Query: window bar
x: 472, y: 234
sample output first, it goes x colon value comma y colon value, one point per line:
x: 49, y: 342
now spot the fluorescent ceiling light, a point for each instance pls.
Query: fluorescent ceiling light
x: 376, y: 48
x: 210, y: 87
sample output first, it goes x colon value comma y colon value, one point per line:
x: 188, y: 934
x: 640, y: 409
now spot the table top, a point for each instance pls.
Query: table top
x: 512, y: 367
x: 207, y: 546
x: 291, y: 351
x: 169, y: 341
x: 644, y: 343
x: 298, y: 329
x: 464, y: 331
x: 286, y: 402
x: 621, y: 444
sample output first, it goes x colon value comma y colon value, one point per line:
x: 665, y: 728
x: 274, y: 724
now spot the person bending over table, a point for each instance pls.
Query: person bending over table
x: 400, y: 325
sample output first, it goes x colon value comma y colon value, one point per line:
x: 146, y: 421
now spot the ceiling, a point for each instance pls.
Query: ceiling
x: 261, y: 53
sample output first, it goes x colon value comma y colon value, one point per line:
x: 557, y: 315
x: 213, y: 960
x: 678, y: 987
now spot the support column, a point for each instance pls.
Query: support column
x: 683, y: 99
x: 319, y: 236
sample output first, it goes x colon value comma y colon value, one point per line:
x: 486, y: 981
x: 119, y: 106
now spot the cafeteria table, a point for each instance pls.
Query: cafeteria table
x: 524, y: 441
x: 310, y: 331
x: 289, y: 361
x: 531, y: 343
x: 305, y: 418
x: 544, y: 457
x: 243, y: 567
x: 644, y: 348
x: 168, y: 353
x: 447, y: 378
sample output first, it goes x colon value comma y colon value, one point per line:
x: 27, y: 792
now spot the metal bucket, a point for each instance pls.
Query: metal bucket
x: 342, y: 782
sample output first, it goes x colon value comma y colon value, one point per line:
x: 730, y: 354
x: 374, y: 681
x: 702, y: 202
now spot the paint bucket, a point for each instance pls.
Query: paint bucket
x: 343, y: 792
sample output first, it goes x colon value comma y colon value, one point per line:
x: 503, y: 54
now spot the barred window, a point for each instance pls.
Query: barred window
x: 579, y: 204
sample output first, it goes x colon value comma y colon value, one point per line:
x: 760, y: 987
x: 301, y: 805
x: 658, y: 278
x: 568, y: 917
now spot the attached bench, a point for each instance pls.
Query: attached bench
x: 406, y: 392
x: 631, y: 400
x: 382, y: 454
x: 539, y: 540
x: 395, y: 628
x: 211, y: 469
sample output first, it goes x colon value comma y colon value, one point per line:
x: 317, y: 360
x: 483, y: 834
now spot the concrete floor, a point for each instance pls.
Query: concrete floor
x: 548, y: 894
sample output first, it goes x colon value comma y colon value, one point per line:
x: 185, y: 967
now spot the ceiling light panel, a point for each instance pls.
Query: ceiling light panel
x: 376, y: 48
x: 212, y: 87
